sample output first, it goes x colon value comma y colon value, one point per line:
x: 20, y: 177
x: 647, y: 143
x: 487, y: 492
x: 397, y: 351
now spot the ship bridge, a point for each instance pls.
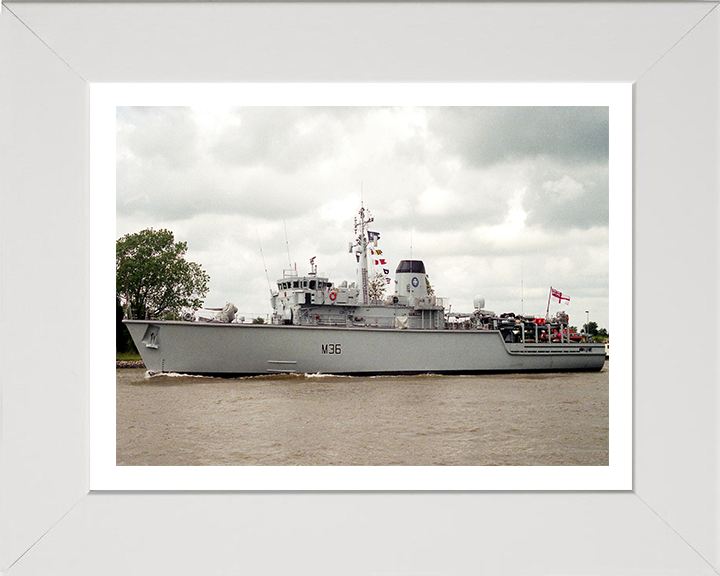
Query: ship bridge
x: 298, y: 292
x: 307, y: 283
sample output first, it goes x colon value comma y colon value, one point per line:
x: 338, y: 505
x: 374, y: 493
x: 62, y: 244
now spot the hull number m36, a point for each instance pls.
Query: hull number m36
x: 330, y: 348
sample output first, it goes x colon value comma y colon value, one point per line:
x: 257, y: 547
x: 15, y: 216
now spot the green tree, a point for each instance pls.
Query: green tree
x: 597, y: 334
x: 376, y: 286
x: 591, y: 328
x: 428, y: 286
x: 152, y: 276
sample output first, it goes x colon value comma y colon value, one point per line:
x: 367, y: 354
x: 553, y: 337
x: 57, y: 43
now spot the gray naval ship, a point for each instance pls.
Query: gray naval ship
x: 318, y: 327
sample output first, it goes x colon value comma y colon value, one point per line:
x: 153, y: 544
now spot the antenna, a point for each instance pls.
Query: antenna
x: 411, y: 232
x: 263, y: 259
x: 287, y: 244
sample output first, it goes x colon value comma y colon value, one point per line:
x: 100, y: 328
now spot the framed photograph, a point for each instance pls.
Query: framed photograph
x: 286, y: 161
x: 68, y: 505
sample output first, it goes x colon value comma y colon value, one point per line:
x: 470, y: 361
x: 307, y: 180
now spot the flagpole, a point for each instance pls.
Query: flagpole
x: 547, y: 312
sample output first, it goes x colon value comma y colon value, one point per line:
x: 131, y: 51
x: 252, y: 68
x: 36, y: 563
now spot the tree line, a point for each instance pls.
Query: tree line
x: 154, y: 280
x: 597, y: 334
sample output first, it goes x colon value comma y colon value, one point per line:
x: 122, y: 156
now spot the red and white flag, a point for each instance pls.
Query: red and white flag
x: 382, y: 262
x: 557, y: 294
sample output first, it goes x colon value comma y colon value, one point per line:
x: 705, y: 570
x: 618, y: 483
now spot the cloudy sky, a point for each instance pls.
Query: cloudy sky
x: 501, y: 202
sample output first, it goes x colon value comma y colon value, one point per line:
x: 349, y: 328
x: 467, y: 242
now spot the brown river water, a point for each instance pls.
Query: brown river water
x: 501, y: 420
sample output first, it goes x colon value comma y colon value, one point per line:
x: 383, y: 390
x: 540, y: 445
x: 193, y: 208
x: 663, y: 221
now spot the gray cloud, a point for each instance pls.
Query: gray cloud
x: 159, y: 135
x: 567, y: 197
x: 488, y: 135
x: 281, y: 138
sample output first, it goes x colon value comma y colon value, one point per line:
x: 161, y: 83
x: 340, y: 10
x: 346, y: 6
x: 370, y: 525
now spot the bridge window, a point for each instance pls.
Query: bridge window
x: 411, y: 266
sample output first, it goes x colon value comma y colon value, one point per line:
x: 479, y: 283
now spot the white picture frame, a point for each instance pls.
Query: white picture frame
x: 667, y: 524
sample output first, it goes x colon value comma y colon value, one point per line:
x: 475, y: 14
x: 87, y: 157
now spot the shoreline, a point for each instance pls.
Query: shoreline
x: 129, y: 364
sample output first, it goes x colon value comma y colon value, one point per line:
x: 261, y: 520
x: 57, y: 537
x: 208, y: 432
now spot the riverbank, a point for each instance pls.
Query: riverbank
x: 129, y: 364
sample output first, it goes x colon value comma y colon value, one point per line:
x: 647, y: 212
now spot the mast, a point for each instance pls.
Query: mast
x: 361, y: 243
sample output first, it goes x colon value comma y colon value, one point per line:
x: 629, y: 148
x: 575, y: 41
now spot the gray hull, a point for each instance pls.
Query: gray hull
x: 251, y: 349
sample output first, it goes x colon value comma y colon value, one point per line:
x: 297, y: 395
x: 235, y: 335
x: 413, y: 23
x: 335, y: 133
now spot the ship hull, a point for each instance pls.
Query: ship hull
x: 216, y: 349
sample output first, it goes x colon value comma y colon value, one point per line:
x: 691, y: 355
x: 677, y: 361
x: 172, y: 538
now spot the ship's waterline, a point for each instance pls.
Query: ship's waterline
x: 425, y: 420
